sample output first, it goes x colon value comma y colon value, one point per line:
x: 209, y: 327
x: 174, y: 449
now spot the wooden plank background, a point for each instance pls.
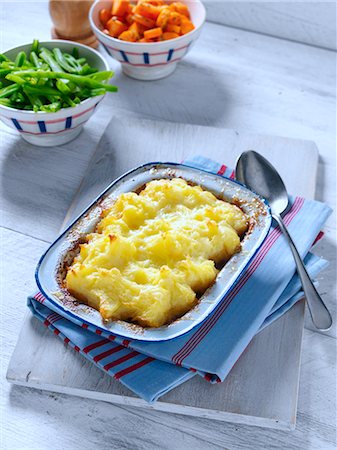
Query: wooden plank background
x: 310, y: 22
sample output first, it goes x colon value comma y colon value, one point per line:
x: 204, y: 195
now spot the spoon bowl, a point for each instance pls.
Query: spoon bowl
x: 253, y: 170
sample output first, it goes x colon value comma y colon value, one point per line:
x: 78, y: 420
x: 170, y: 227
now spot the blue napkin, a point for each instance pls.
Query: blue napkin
x: 266, y: 290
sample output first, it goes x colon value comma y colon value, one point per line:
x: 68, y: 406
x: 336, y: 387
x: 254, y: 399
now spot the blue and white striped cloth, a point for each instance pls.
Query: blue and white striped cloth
x: 266, y: 290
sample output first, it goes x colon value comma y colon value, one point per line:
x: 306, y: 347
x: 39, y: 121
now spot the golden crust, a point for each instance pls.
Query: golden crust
x: 153, y: 252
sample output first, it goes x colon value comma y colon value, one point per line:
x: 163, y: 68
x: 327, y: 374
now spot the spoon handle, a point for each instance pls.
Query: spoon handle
x: 320, y: 314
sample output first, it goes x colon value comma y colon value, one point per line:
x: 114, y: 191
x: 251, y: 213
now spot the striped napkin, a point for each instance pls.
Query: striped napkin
x: 267, y: 289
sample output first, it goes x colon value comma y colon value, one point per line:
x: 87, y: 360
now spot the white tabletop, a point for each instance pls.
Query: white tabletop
x: 261, y: 84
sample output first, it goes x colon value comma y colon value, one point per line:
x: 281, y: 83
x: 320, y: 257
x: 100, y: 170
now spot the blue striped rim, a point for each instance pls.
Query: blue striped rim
x: 106, y: 48
x: 42, y: 126
x: 69, y: 122
x: 16, y: 124
x: 170, y: 53
x: 146, y: 58
x: 124, y: 55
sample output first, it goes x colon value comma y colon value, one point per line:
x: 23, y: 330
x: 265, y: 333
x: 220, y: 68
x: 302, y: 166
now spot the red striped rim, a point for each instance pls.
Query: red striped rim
x: 85, y: 326
x: 142, y: 53
x: 76, y: 348
x: 126, y: 342
x: 109, y: 352
x: 66, y: 340
x: 121, y: 360
x: 151, y: 65
x: 132, y: 368
x: 232, y: 175
x: 222, y: 170
x: 31, y: 122
x: 190, y: 345
x: 52, y: 132
x: 56, y: 331
x: 94, y: 345
x: 98, y: 331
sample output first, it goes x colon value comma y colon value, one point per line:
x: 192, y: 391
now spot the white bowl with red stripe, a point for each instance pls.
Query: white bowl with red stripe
x: 56, y: 128
x: 148, y: 61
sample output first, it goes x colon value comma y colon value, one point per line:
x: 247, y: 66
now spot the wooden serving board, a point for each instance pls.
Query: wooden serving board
x: 262, y: 387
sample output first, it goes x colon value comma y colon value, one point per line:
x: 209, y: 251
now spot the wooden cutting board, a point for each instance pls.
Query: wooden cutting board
x: 262, y: 387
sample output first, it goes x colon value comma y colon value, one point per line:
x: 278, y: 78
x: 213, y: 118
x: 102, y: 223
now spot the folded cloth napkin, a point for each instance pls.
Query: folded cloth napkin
x: 267, y: 289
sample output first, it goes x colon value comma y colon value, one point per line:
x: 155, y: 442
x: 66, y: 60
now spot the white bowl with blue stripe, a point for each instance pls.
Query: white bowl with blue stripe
x: 148, y: 61
x: 55, y: 128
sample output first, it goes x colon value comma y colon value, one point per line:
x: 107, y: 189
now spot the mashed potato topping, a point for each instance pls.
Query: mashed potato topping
x: 153, y: 253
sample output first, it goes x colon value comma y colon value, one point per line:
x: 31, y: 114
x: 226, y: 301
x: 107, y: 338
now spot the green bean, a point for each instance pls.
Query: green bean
x: 52, y: 107
x: 5, y: 72
x: 101, y: 76
x: 78, y: 79
x: 15, y: 78
x: 20, y: 59
x: 4, y: 58
x: 47, y: 56
x: 75, y: 52
x: 70, y: 65
x: 41, y: 90
x: 63, y: 87
x: 6, y: 102
x: 9, y: 90
x: 87, y: 70
x: 45, y: 80
x: 35, y: 46
x: 35, y: 60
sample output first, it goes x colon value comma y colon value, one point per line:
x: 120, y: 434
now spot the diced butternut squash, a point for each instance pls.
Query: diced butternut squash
x: 147, y: 10
x: 104, y: 16
x: 180, y: 8
x: 137, y: 30
x: 146, y: 20
x: 127, y: 36
x: 186, y: 26
x: 116, y: 27
x: 154, y: 33
x: 169, y: 35
x: 163, y: 18
x: 173, y: 28
x: 175, y: 18
x: 120, y: 7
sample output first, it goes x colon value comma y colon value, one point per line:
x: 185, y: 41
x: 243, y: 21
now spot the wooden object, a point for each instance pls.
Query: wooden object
x: 41, y: 360
x: 70, y: 18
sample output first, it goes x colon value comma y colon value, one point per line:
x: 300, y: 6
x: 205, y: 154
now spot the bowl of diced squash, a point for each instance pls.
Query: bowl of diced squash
x: 148, y: 37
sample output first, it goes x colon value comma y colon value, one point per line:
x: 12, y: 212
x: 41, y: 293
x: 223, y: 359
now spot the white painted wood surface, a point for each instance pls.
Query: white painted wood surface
x: 311, y: 22
x: 232, y: 79
x: 274, y: 356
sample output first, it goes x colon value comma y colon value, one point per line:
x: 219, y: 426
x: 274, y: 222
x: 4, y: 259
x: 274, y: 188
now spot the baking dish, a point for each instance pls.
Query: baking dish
x: 52, y: 265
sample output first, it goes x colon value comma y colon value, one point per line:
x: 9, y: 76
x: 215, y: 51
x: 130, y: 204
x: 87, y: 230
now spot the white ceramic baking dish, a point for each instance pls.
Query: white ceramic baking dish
x: 51, y: 267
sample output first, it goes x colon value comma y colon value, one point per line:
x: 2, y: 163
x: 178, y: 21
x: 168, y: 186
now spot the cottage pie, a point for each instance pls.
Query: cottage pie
x: 154, y: 253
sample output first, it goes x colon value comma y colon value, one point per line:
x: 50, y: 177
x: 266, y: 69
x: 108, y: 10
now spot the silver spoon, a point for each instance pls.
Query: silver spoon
x: 255, y: 172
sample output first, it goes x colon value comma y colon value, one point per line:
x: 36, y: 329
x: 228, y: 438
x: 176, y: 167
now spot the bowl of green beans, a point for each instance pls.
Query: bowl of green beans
x: 49, y: 89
